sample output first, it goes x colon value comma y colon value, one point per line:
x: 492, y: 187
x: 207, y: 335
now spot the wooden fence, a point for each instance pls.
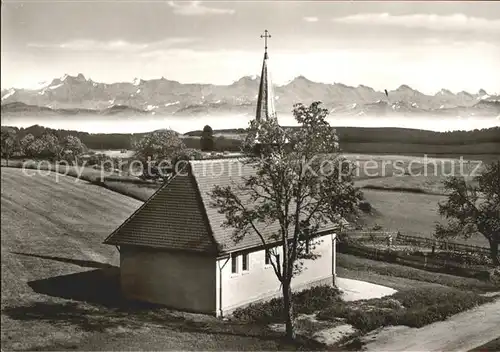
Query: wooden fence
x: 419, y: 241
x: 442, y: 245
x: 426, y: 262
x: 370, y: 236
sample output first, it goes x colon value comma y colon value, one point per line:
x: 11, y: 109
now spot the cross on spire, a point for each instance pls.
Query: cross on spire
x: 265, y: 98
x: 265, y: 36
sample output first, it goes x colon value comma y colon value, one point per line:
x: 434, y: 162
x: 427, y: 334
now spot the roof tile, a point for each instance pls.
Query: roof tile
x: 180, y: 215
x: 172, y: 218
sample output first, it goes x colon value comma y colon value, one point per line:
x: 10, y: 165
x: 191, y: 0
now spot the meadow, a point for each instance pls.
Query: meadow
x: 419, y: 174
x: 60, y: 286
x: 120, y: 182
x: 403, y: 190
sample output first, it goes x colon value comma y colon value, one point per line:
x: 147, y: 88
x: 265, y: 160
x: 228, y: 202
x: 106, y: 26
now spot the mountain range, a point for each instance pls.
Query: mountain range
x: 77, y: 95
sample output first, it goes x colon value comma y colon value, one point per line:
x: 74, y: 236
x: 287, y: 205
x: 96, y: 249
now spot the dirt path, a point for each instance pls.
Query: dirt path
x: 461, y: 332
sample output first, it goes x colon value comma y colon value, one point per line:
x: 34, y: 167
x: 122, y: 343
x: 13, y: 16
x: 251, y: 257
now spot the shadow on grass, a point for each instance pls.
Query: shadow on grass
x: 97, y: 287
x: 79, y: 262
x: 100, y: 319
x: 97, y: 305
x: 100, y: 286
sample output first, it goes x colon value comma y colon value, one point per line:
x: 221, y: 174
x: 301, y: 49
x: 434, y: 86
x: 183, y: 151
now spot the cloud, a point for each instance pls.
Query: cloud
x: 87, y: 44
x: 195, y: 8
x: 112, y: 46
x: 311, y: 19
x: 458, y: 22
x: 388, y: 68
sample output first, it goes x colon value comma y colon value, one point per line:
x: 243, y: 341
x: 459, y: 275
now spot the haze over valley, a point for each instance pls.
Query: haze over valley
x: 78, y: 103
x: 197, y: 64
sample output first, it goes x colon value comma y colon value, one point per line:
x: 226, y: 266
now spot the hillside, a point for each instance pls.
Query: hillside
x: 52, y: 232
x: 59, y: 217
x: 60, y: 288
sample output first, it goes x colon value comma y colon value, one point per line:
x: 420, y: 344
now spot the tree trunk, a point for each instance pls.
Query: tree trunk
x: 494, y: 252
x: 288, y: 310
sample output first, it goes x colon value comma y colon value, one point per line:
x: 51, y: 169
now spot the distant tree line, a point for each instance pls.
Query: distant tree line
x: 414, y: 136
x: 399, y: 135
x: 46, y: 145
x: 91, y: 140
x: 205, y: 139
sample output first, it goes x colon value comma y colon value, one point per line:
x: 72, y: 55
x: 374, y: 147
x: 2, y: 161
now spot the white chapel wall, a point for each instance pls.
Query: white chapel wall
x: 260, y: 281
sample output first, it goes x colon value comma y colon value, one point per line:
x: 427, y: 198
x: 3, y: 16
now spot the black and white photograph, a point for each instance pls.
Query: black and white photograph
x: 250, y: 175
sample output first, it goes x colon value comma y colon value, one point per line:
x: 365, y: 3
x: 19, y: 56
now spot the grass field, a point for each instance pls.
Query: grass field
x: 60, y: 283
x: 410, y: 213
x: 60, y: 287
x: 122, y: 183
x: 401, y: 202
x: 114, y: 153
x: 423, y: 175
x: 382, y: 171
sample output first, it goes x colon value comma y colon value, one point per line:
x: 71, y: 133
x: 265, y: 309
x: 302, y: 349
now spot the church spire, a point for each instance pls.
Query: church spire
x: 265, y: 99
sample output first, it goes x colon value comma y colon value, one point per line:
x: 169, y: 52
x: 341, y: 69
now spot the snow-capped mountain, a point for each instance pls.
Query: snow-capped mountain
x: 163, y: 96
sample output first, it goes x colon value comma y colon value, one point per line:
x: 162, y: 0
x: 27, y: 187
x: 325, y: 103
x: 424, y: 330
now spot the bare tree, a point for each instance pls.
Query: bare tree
x: 300, y: 182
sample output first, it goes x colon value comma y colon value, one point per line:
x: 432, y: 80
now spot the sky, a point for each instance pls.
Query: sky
x: 427, y: 45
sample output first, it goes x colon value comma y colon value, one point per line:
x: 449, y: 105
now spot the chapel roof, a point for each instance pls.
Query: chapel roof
x: 180, y: 216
